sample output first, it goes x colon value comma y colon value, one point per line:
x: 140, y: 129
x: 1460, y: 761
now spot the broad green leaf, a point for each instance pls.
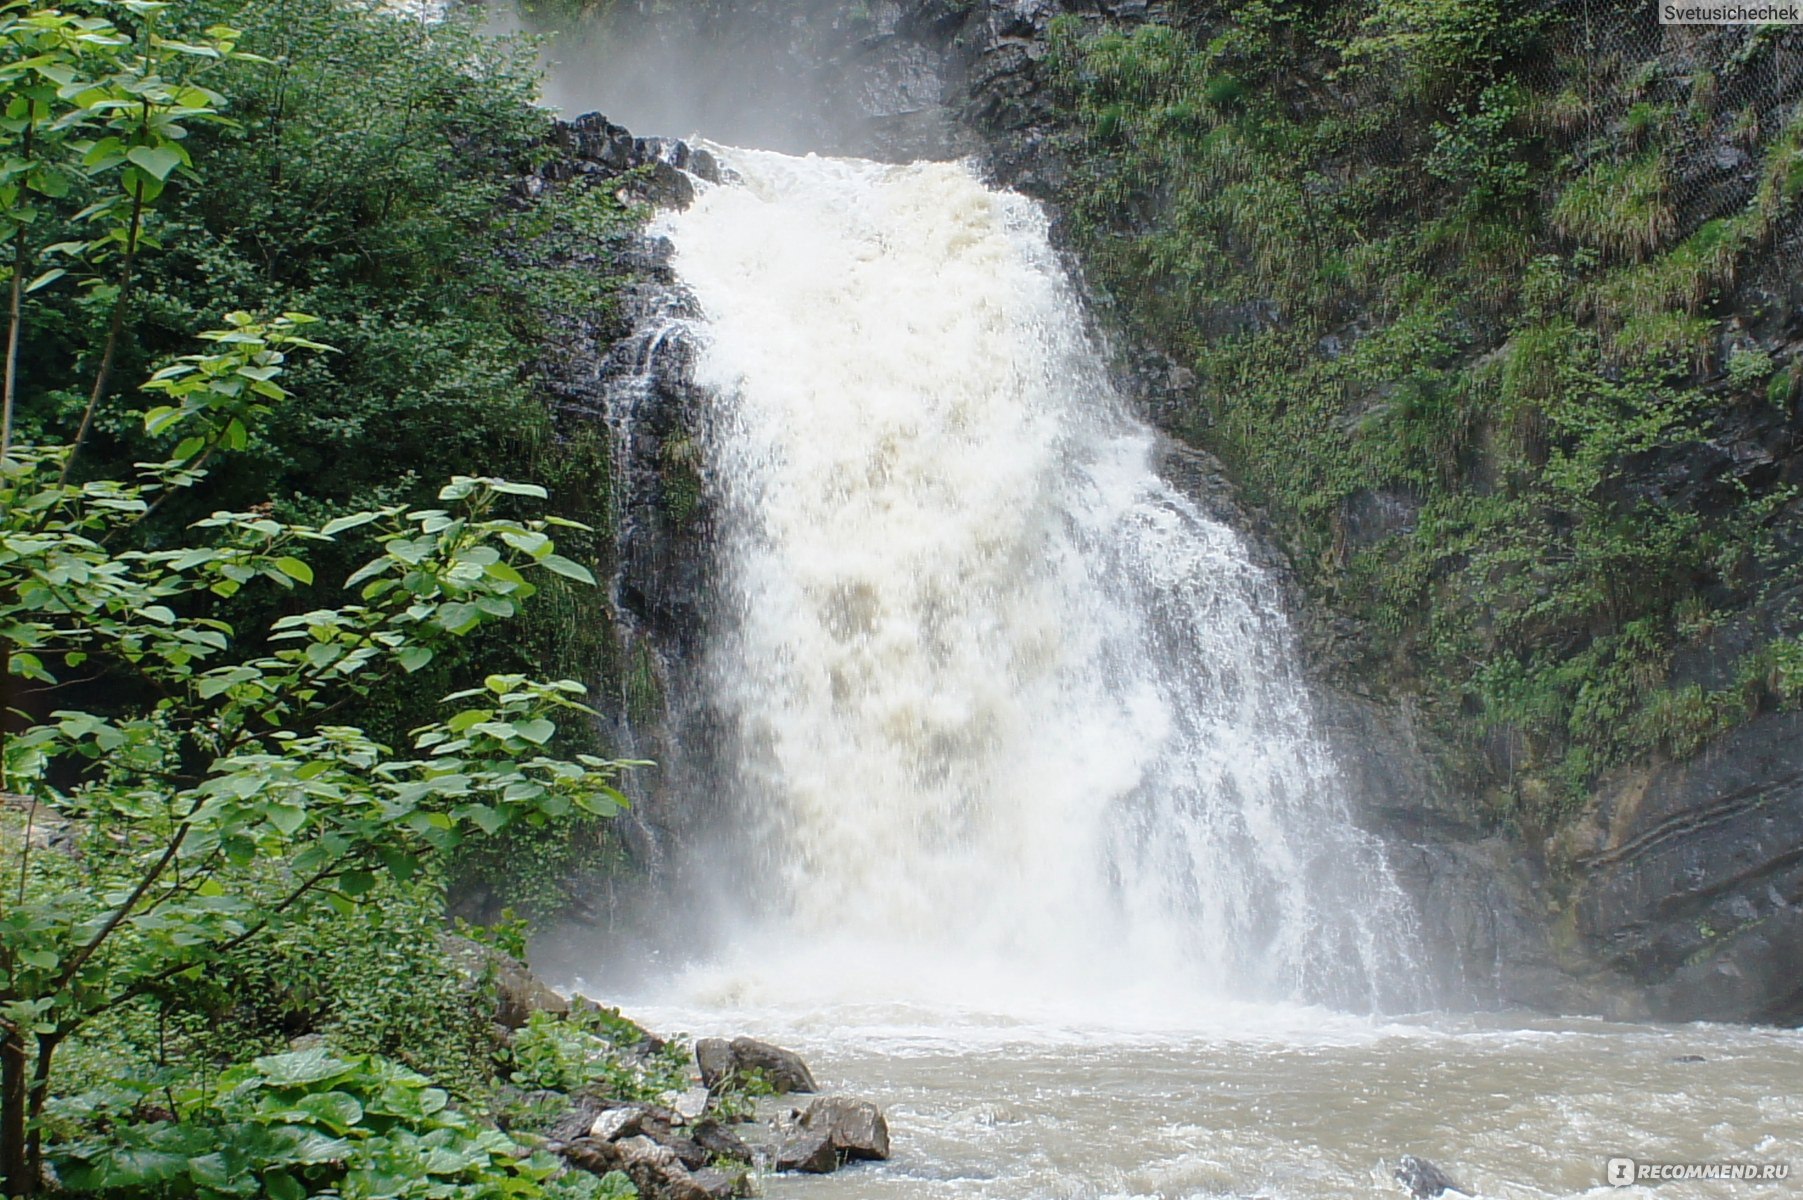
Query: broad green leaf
x: 301, y: 1066
x: 159, y: 161
x: 557, y: 564
x: 537, y: 731
x: 338, y: 1111
x: 294, y: 568
x: 280, y: 1185
x: 338, y: 525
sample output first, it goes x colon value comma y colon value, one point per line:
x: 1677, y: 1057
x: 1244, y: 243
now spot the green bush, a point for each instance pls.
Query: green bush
x: 310, y: 1123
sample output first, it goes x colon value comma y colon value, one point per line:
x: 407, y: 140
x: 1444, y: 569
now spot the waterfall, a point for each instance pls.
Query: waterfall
x: 1014, y: 719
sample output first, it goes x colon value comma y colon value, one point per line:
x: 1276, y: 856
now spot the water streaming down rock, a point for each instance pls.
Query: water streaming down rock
x: 1014, y: 719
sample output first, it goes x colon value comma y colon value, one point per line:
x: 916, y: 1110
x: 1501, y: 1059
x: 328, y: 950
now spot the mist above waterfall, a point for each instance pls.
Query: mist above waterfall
x: 729, y: 70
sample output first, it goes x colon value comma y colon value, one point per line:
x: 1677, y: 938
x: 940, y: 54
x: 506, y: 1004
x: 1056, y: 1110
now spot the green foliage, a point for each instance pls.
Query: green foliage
x: 367, y: 177
x: 311, y: 1123
x: 242, y: 860
x: 596, y: 1049
x: 391, y: 990
x: 1444, y: 45
x: 1481, y: 155
x: 1423, y: 292
x: 1618, y: 207
x: 233, y: 801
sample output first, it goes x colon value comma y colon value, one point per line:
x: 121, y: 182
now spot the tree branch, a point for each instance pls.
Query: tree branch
x: 114, y: 333
x: 151, y: 982
x: 123, y: 911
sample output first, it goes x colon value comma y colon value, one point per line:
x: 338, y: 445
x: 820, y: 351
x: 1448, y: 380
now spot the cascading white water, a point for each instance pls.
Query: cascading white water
x: 1015, y: 720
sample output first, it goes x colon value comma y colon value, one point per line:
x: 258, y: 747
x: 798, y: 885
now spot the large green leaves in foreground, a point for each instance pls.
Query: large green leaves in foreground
x: 309, y: 1124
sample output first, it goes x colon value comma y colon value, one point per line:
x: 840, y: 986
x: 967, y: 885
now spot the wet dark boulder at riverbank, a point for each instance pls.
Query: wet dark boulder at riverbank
x: 830, y: 1132
x: 666, y: 1158
x: 857, y: 1128
x: 722, y: 1062
x: 517, y: 992
x: 1425, y: 1180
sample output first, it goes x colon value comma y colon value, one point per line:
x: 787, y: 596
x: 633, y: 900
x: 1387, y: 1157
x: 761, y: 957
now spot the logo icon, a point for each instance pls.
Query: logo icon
x: 1620, y: 1172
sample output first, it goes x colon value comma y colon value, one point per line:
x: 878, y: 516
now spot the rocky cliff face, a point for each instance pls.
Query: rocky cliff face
x: 1676, y: 887
x: 1687, y: 875
x: 1672, y: 886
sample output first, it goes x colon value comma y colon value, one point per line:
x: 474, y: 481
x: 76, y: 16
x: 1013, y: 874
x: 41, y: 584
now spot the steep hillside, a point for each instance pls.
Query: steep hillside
x: 1495, y: 313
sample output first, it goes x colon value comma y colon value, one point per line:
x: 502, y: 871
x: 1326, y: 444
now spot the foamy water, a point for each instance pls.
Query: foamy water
x: 1013, y: 717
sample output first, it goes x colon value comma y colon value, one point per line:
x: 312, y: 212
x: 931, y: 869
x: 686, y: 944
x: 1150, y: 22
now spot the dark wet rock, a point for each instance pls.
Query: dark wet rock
x: 688, y: 1152
x: 1691, y: 881
x: 591, y: 1155
x: 690, y: 1105
x: 856, y: 1128
x: 1423, y: 1179
x: 715, y: 1060
x: 657, y: 1171
x: 720, y: 1142
x: 807, y: 1150
x: 784, y: 1069
x: 722, y: 1184
x: 721, y: 1061
x: 575, y: 1124
x: 518, y: 993
x: 653, y: 170
x: 1689, y: 1058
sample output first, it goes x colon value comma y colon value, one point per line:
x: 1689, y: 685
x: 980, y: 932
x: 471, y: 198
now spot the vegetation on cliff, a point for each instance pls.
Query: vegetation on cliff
x: 1491, y: 307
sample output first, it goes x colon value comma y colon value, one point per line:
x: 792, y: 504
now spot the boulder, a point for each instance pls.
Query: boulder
x: 617, y: 1123
x: 720, y: 1142
x: 832, y: 1130
x: 576, y: 1123
x: 595, y: 1157
x: 783, y: 1068
x: 721, y: 1185
x: 856, y: 1128
x: 656, y: 1171
x: 720, y: 1061
x: 690, y: 1105
x: 715, y: 1059
x: 518, y: 993
x: 1423, y: 1179
x: 807, y: 1150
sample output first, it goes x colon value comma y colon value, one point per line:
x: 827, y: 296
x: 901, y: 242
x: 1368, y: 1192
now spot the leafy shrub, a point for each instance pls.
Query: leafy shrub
x: 596, y: 1049
x: 309, y: 1123
x: 1618, y: 207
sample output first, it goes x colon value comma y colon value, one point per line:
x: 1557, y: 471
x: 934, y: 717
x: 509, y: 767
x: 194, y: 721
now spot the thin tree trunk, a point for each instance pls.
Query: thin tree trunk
x: 21, y: 262
x: 34, y: 1106
x: 16, y: 312
x: 15, y: 1174
x: 113, y: 333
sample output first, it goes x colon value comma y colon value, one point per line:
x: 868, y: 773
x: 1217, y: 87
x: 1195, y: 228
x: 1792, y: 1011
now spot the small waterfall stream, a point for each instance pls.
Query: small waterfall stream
x: 1015, y: 721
